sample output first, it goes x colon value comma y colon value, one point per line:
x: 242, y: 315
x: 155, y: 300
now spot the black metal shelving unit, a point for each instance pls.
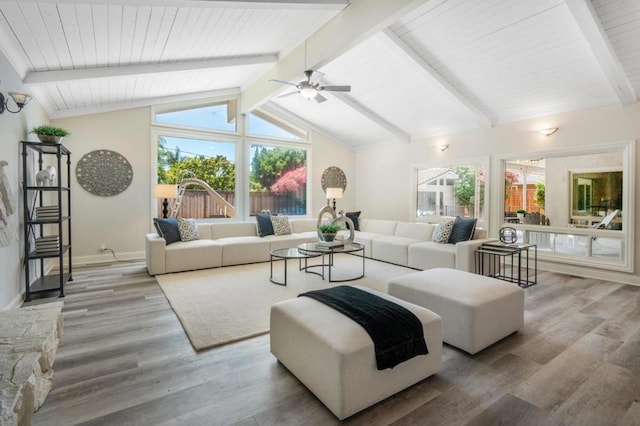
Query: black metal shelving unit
x: 57, y: 196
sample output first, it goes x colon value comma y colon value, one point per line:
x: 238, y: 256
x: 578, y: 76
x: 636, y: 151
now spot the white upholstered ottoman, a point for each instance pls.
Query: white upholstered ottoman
x: 476, y: 310
x: 334, y: 356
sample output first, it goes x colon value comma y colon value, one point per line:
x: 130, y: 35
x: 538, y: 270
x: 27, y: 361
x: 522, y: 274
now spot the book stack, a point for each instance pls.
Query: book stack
x: 50, y: 243
x: 330, y: 244
x: 47, y: 213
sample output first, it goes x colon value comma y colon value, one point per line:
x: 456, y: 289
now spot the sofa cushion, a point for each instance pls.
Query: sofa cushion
x: 419, y: 231
x: 188, y: 229
x: 281, y: 225
x: 462, y: 229
x: 355, y: 218
x: 442, y: 232
x: 233, y: 229
x: 392, y: 249
x: 377, y: 226
x: 191, y: 255
x: 427, y: 255
x: 299, y: 225
x: 265, y: 227
x: 168, y: 229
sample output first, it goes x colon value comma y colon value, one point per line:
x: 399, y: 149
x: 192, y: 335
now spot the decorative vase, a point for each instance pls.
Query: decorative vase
x: 50, y: 139
x: 520, y: 215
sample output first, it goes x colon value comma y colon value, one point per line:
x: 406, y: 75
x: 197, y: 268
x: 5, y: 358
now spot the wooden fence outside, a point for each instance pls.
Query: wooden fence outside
x: 199, y: 205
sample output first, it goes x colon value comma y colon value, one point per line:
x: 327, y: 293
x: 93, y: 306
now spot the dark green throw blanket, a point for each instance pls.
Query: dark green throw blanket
x: 396, y: 332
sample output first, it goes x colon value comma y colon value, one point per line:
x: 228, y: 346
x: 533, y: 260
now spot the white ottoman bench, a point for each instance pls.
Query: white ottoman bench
x: 476, y: 310
x: 334, y: 356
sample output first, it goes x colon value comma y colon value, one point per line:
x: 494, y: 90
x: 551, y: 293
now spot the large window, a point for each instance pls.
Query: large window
x: 278, y: 180
x: 457, y: 190
x: 209, y: 166
x: 200, y: 147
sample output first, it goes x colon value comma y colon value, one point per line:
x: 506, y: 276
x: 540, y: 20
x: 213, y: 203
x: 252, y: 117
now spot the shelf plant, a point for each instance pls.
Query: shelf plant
x: 49, y: 134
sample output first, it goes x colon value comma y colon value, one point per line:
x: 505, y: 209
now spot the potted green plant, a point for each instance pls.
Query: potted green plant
x: 328, y: 231
x: 49, y: 134
x: 520, y: 213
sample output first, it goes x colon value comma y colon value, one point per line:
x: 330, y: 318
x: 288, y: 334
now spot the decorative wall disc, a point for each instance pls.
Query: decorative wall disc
x: 104, y: 173
x: 333, y: 177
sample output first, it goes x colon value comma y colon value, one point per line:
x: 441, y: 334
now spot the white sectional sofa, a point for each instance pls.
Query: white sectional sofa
x: 409, y: 244
x: 234, y: 243
x: 222, y: 244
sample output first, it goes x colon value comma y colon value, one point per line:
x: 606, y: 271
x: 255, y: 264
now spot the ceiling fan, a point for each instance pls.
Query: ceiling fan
x: 310, y: 89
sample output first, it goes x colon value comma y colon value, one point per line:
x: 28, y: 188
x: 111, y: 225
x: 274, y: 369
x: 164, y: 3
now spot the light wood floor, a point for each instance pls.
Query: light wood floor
x: 124, y: 359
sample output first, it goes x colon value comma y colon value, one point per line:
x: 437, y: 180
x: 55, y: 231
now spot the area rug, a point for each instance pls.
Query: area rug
x: 223, y: 305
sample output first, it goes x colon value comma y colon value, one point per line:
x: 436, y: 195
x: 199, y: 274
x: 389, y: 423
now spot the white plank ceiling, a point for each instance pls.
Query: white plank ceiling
x: 443, y: 66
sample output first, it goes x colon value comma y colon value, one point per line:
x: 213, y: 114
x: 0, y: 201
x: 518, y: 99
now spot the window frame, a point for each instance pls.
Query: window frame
x: 480, y: 162
x: 240, y: 138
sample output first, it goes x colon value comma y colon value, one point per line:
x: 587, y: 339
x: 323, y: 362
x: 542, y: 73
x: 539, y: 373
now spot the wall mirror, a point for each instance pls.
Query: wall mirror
x: 594, y: 195
x: 577, y: 203
x: 570, y: 189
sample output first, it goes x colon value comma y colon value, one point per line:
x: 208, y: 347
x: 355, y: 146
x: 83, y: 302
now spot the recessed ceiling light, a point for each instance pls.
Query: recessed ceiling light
x: 548, y: 131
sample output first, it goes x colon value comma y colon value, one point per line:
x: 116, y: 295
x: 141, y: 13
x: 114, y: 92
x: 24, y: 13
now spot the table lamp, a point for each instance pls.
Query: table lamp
x: 333, y: 193
x: 165, y: 191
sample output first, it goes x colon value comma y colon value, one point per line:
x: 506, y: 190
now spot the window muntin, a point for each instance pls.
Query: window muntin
x: 277, y: 179
x: 264, y: 123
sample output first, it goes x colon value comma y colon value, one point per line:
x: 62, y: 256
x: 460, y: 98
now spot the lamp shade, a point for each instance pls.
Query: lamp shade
x: 21, y: 99
x: 162, y: 190
x: 334, y: 193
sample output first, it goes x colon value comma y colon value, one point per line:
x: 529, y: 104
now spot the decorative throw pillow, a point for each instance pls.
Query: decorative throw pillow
x: 442, y: 232
x: 281, y: 225
x: 167, y: 229
x: 265, y: 227
x: 188, y: 229
x: 354, y: 216
x: 463, y: 229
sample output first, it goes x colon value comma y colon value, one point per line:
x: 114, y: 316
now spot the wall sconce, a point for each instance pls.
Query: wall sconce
x: 20, y: 100
x: 548, y: 131
x: 334, y: 193
x: 165, y: 191
x: 443, y: 147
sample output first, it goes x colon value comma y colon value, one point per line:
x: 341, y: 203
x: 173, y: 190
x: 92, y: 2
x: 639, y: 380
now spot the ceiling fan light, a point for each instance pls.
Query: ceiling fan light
x: 308, y: 93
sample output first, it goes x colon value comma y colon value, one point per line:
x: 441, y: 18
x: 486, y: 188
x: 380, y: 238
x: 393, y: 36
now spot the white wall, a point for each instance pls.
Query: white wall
x: 386, y: 170
x: 122, y: 221
x: 14, y: 128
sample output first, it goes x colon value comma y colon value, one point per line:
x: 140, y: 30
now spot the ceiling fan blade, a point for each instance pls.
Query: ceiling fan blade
x: 284, y: 82
x: 287, y: 94
x: 319, y: 98
x: 335, y: 88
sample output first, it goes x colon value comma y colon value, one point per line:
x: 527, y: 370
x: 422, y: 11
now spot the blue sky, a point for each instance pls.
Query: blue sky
x: 213, y: 117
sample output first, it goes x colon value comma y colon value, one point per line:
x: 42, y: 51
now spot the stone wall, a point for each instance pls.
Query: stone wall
x: 29, y: 340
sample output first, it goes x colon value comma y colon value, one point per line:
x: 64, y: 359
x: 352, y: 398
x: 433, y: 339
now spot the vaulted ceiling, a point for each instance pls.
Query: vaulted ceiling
x: 417, y: 68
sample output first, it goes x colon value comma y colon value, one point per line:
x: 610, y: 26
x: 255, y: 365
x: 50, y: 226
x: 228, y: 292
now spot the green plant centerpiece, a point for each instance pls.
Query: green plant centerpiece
x: 49, y: 134
x: 520, y: 213
x: 328, y: 231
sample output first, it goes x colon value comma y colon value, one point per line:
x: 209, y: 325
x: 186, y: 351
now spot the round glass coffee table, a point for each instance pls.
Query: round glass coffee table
x: 293, y: 253
x: 351, y: 248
